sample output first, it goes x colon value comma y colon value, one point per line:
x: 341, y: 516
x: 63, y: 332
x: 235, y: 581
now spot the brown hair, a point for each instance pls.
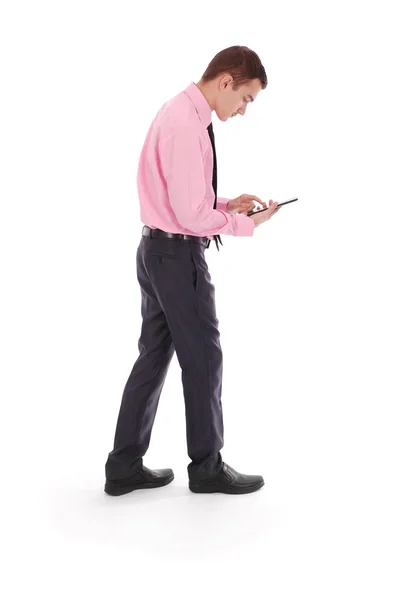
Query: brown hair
x: 242, y: 63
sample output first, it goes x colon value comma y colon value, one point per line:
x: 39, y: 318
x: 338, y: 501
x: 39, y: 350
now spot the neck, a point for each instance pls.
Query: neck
x: 208, y: 92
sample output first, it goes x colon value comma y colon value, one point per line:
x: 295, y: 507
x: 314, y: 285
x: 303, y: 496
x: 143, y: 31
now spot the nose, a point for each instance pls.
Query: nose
x: 242, y: 110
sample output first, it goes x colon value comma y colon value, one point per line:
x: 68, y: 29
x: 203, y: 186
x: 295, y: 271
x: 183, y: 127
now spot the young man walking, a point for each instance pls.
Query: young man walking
x: 182, y: 214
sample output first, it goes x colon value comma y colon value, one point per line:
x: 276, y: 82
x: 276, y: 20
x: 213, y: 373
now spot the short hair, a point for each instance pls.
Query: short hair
x: 242, y: 63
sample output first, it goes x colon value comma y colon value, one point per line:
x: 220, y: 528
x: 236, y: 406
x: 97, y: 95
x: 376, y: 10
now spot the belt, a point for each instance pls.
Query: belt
x: 159, y: 233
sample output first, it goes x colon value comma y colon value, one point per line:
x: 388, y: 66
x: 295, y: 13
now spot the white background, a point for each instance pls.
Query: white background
x: 308, y: 306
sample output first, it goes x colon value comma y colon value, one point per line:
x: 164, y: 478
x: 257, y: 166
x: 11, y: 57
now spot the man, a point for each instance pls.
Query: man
x: 177, y: 181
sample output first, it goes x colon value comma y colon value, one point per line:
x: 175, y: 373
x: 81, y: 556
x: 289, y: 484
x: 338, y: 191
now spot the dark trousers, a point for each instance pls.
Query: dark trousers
x: 179, y: 314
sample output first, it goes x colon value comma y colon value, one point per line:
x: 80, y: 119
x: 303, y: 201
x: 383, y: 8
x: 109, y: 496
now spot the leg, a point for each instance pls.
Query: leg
x: 145, y: 383
x: 182, y: 283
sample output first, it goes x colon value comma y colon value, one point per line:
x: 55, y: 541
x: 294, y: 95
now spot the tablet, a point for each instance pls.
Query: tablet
x: 255, y: 212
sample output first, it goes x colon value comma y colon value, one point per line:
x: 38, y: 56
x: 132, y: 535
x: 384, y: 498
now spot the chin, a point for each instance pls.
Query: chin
x: 221, y: 117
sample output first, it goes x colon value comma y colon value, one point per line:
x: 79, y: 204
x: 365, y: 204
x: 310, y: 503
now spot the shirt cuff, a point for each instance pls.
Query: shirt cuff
x: 244, y: 225
x: 221, y: 203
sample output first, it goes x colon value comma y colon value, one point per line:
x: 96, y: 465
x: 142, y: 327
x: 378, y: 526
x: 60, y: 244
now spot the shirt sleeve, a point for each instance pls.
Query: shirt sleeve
x: 182, y: 166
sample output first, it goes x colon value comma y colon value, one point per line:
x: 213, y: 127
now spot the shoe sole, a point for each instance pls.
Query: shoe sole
x: 118, y: 490
x: 213, y: 488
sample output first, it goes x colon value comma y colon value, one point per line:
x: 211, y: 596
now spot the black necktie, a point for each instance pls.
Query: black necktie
x: 214, y: 182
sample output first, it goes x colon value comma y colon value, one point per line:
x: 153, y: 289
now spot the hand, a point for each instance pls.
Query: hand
x: 244, y: 204
x: 267, y: 214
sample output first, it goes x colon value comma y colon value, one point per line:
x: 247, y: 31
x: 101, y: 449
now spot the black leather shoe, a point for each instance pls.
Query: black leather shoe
x: 228, y: 481
x: 145, y: 478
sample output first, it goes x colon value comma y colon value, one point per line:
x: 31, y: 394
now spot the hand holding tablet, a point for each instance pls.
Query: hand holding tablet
x: 256, y: 212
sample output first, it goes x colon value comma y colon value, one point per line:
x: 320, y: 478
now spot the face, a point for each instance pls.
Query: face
x: 233, y: 102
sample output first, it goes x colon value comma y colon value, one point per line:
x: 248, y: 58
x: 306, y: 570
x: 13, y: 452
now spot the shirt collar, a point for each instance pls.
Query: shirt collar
x: 201, y: 104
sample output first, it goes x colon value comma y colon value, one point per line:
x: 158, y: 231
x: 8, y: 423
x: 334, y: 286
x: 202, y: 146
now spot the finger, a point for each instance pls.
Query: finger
x: 255, y: 198
x: 251, y: 205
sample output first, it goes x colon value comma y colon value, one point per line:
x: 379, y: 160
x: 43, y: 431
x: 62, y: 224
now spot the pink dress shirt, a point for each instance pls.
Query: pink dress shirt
x: 175, y: 167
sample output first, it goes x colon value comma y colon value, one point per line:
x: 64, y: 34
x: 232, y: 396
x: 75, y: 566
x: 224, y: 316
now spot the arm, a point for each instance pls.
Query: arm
x: 182, y: 165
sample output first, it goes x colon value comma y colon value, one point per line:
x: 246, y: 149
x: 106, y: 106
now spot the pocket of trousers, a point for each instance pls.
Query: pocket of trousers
x: 194, y: 273
x: 165, y: 255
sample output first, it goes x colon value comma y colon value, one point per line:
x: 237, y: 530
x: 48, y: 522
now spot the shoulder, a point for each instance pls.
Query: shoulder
x: 178, y: 117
